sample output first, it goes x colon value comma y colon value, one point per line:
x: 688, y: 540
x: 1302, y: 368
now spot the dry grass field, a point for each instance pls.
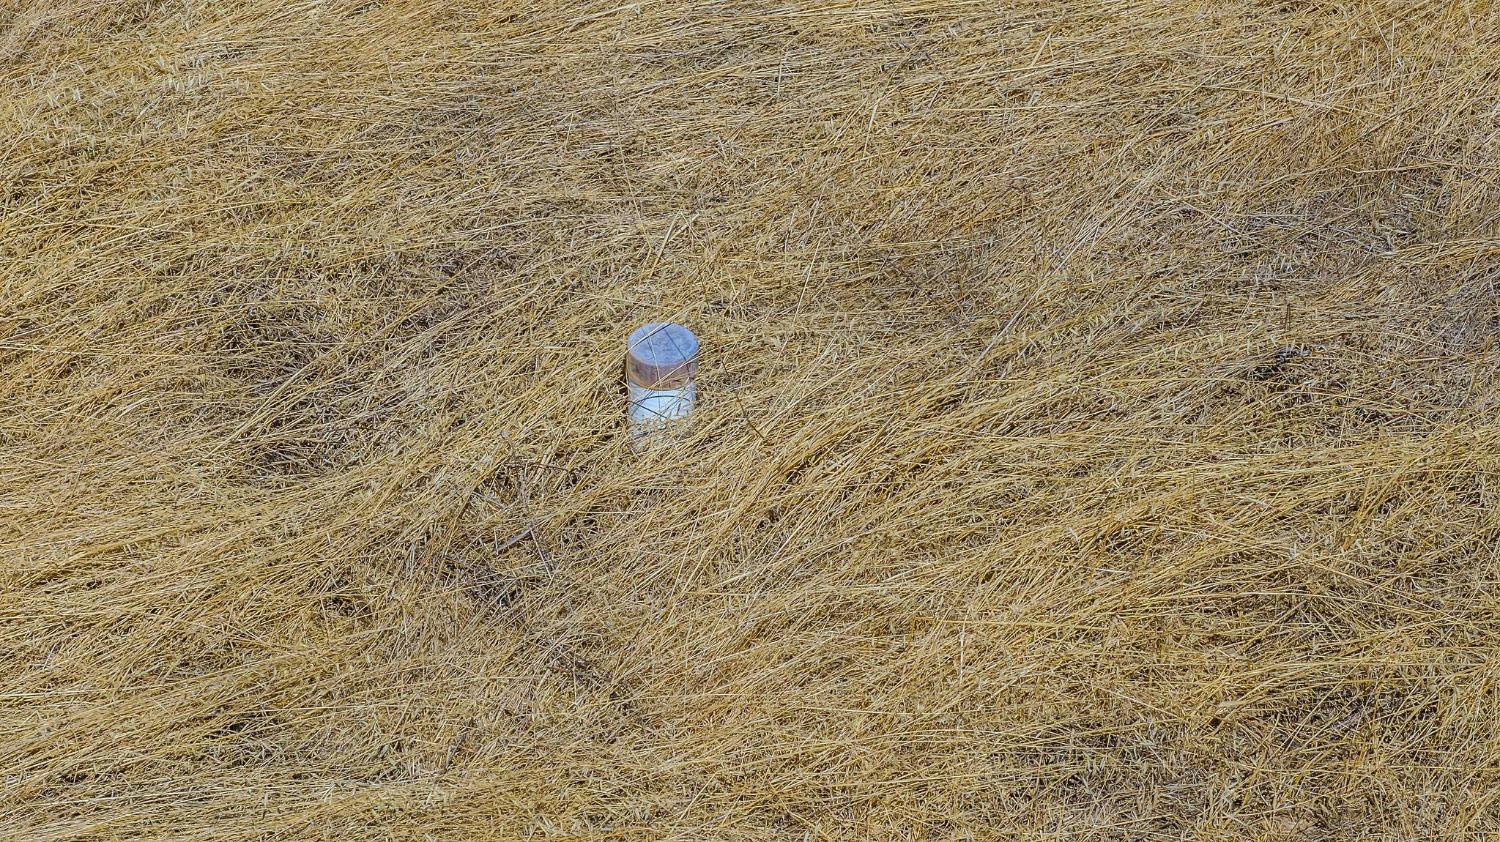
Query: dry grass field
x: 1097, y: 440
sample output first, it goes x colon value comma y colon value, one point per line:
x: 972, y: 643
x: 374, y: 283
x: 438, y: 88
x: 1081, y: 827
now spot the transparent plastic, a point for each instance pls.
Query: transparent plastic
x: 661, y: 364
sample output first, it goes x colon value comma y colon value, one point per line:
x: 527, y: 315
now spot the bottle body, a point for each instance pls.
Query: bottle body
x: 661, y: 364
x: 653, y: 409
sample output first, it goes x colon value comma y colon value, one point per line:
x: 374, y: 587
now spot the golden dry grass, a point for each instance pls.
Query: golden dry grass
x: 1098, y: 433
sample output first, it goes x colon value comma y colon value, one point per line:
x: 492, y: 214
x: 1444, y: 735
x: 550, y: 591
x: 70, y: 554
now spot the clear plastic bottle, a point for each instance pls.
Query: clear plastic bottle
x: 661, y: 362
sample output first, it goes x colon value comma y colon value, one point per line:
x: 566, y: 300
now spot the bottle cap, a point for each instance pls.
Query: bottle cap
x: 661, y: 355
